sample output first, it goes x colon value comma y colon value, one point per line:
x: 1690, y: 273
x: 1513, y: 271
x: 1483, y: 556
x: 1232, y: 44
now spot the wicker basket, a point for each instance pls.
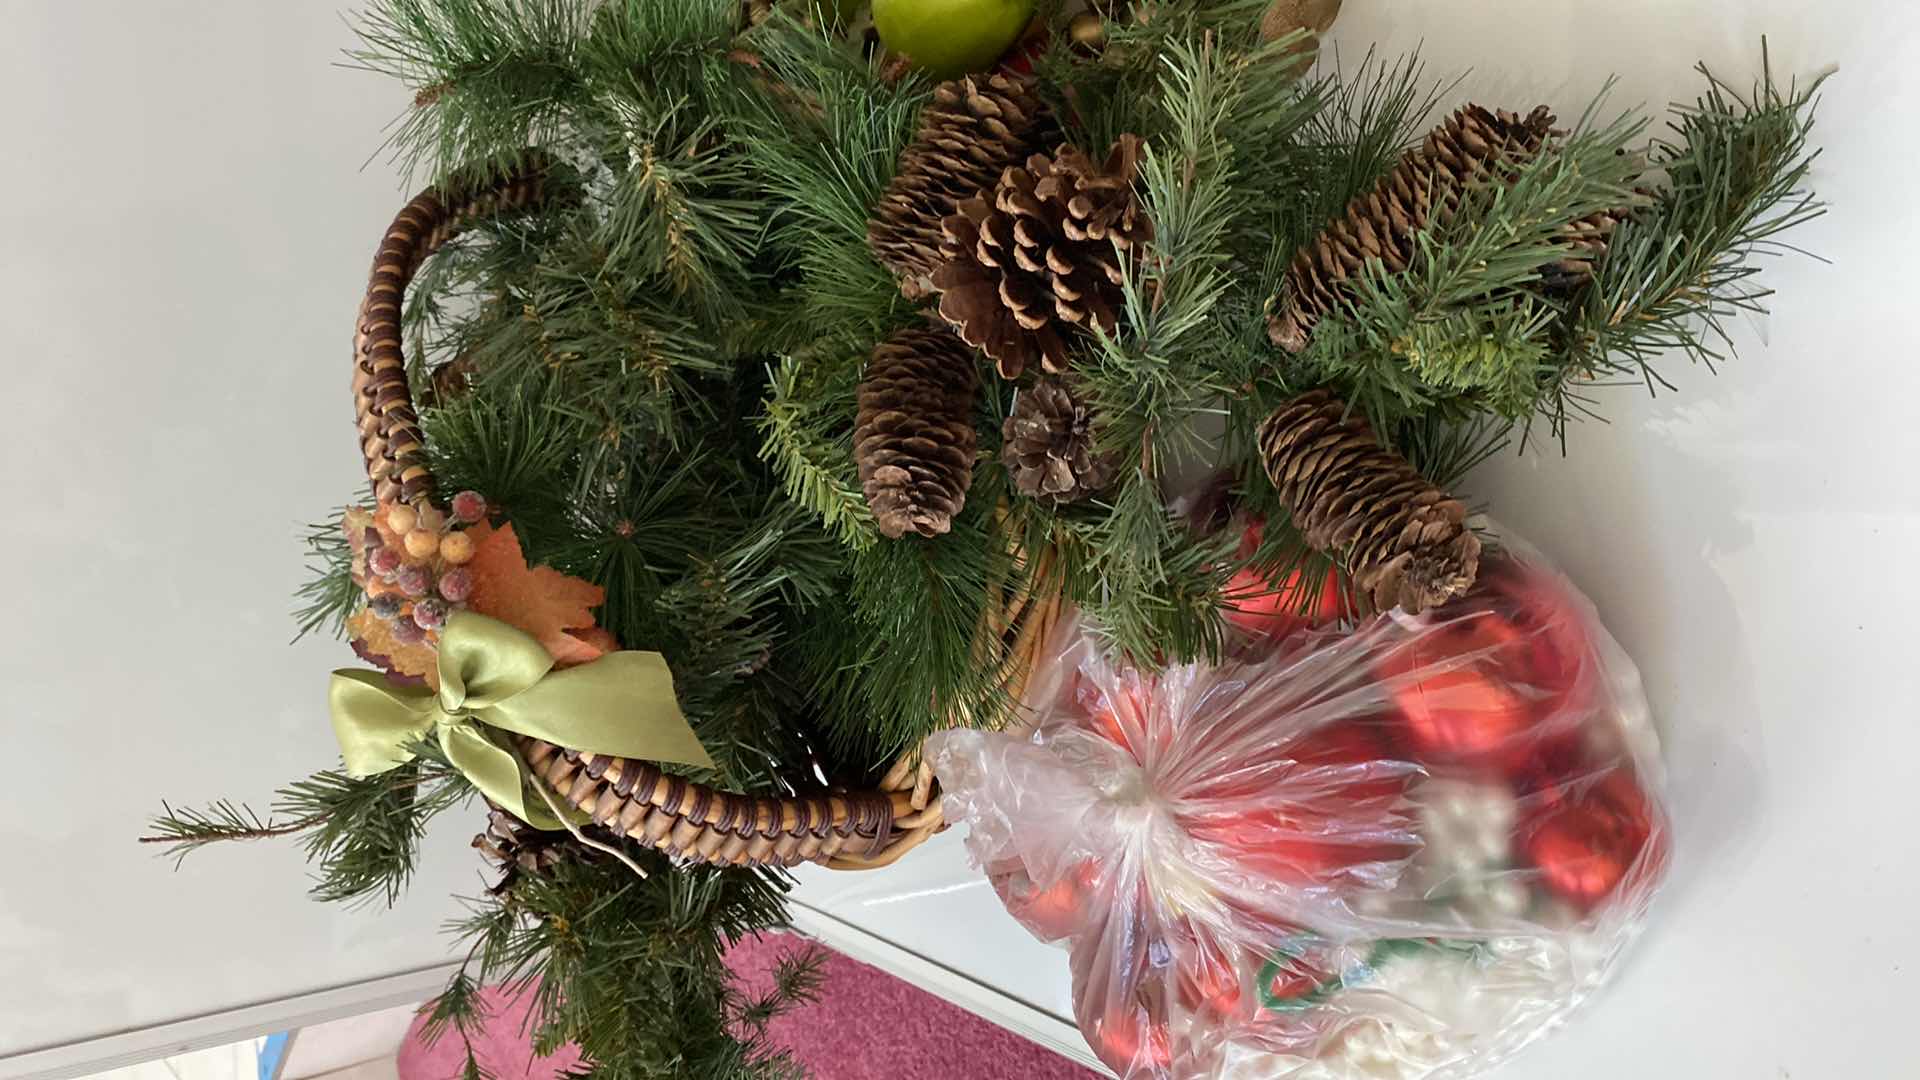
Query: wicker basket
x: 846, y: 830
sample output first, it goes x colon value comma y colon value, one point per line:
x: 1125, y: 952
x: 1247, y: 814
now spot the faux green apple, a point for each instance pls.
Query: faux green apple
x: 947, y: 38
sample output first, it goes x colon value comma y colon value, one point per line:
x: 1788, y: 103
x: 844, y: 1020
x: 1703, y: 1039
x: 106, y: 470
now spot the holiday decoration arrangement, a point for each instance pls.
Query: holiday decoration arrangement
x: 781, y: 423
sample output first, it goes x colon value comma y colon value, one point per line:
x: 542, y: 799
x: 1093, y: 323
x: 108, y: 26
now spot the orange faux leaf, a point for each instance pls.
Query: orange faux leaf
x: 540, y: 600
x: 375, y: 639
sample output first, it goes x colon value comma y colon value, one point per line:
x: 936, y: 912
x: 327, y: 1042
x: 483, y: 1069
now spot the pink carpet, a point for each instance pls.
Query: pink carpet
x: 867, y: 1025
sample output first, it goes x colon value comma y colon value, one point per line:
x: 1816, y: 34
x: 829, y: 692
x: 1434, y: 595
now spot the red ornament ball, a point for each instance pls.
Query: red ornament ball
x: 1131, y: 1043
x: 1559, y: 665
x: 1330, y: 812
x: 1263, y: 607
x: 1054, y: 912
x: 1459, y: 687
x: 1211, y: 984
x: 1587, y: 837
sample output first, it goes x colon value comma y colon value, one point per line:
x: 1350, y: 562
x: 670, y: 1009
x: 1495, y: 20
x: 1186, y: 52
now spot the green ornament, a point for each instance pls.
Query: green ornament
x: 949, y: 38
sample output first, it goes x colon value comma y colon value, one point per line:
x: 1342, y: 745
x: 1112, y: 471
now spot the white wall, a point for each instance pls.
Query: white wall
x: 186, y: 228
x: 184, y: 223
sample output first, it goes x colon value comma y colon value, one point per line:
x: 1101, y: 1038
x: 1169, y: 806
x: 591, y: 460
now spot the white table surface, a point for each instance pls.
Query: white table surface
x: 1751, y: 539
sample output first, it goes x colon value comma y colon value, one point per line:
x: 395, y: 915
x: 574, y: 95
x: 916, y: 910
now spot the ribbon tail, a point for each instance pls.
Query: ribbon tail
x: 376, y: 721
x: 622, y: 704
x: 499, y: 773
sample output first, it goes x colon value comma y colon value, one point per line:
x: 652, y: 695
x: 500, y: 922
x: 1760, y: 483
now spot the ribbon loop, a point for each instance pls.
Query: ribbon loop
x: 497, y: 679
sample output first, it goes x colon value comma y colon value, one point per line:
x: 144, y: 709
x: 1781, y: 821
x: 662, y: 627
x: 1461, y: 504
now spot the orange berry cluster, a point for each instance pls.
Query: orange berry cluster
x: 412, y: 562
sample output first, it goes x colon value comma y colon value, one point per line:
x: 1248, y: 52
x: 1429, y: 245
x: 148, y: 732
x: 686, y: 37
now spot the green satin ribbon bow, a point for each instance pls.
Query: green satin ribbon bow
x: 496, y: 678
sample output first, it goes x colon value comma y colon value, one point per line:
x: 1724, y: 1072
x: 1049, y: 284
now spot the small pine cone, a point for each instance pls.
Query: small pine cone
x: 1383, y: 223
x: 1404, y: 541
x: 913, y: 438
x: 1590, y: 236
x: 516, y: 848
x: 1040, y: 254
x: 1049, y: 449
x: 975, y: 127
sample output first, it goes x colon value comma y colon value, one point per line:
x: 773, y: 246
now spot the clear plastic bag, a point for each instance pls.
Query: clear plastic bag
x: 1401, y: 851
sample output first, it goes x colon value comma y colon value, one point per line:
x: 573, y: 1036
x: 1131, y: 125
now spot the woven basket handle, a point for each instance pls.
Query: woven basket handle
x: 844, y: 830
x: 390, y: 438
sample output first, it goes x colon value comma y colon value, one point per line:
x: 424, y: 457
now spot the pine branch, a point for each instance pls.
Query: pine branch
x: 329, y: 597
x: 185, y: 831
x: 489, y: 76
x: 824, y: 129
x: 808, y: 433
x: 1462, y: 328
x: 361, y: 833
x: 1674, y: 274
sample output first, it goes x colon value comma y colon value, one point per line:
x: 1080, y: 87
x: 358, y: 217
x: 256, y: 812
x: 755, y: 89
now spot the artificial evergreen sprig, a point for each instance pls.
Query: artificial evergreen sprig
x: 1736, y: 170
x: 1466, y: 327
x: 359, y: 833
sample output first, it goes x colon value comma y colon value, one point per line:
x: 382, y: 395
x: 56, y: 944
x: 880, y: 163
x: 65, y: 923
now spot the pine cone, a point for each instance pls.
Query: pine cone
x: 1048, y: 448
x: 1589, y: 235
x: 1427, y: 183
x: 975, y: 127
x: 913, y: 439
x: 1044, y: 250
x: 516, y: 848
x: 1404, y: 541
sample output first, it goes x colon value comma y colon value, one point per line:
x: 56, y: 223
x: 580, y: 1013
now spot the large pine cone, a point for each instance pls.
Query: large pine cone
x: 1041, y: 255
x: 975, y: 127
x: 1404, y: 541
x: 1049, y: 449
x: 1426, y: 184
x: 913, y: 439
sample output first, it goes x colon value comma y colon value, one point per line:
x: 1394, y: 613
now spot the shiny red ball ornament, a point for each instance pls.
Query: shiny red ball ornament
x: 1122, y: 716
x: 1459, y: 687
x: 1265, y: 608
x: 1329, y: 812
x: 1131, y: 1043
x: 1586, y: 838
x: 1055, y: 912
x: 1560, y: 666
x: 1211, y: 985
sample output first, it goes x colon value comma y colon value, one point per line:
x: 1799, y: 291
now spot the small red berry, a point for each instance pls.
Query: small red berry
x: 430, y: 614
x: 469, y: 506
x: 414, y: 580
x: 383, y: 561
x: 456, y: 585
x: 408, y: 632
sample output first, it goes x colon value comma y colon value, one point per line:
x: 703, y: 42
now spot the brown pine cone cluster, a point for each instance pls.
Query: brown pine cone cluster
x: 974, y: 128
x: 913, y: 439
x: 1426, y: 185
x: 1040, y: 255
x: 517, y: 849
x: 1404, y: 541
x: 1049, y: 448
